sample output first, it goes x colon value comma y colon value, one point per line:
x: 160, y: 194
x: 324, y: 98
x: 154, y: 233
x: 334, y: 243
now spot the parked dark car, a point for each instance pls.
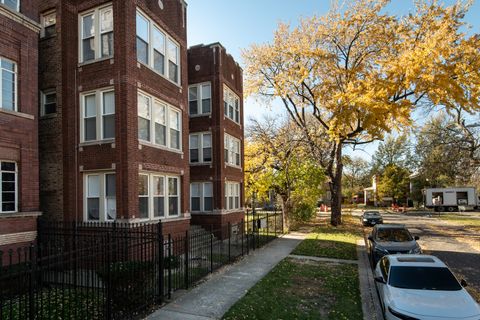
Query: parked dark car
x: 391, y: 239
x: 371, y: 218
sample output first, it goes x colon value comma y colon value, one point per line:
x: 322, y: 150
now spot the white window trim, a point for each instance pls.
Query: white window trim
x: 166, y: 201
x: 42, y: 21
x: 229, y: 92
x: 200, y: 136
x: 15, y: 72
x: 199, y: 100
x: 98, y: 33
x: 102, y: 215
x: 18, y: 5
x: 237, y: 193
x: 202, y: 196
x: 99, y: 115
x: 168, y: 108
x: 43, y: 97
x: 232, y: 162
x: 16, y: 186
x: 150, y: 63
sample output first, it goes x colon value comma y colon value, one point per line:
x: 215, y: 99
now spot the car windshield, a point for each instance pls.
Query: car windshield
x: 394, y: 235
x: 371, y: 214
x: 423, y: 278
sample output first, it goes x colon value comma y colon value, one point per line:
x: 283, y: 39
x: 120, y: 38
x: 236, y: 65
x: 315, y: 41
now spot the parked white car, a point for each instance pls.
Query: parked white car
x: 421, y: 287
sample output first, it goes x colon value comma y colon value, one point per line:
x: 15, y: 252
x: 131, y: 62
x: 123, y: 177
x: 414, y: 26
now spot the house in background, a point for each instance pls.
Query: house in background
x: 19, y: 185
x: 216, y: 136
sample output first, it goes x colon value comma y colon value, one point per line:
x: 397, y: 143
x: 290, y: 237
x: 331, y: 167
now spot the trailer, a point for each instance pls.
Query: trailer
x: 451, y: 199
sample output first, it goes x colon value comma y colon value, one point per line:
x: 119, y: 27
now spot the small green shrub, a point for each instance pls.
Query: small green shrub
x: 303, y: 212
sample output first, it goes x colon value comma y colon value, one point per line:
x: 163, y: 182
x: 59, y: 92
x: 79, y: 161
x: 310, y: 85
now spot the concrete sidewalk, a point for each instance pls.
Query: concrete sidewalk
x: 211, y: 299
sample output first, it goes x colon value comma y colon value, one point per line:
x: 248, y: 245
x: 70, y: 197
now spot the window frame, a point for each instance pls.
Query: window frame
x: 202, y: 197
x: 43, y: 99
x: 99, y: 125
x: 43, y: 20
x: 15, y: 84
x: 151, y: 49
x: 199, y: 88
x: 102, y: 205
x: 18, y: 5
x: 97, y: 35
x: 15, y: 185
x: 230, y: 154
x: 232, y: 191
x: 150, y: 182
x: 230, y: 99
x: 168, y: 109
x: 201, y: 146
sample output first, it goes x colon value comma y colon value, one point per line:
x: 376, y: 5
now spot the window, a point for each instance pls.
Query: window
x: 201, y: 196
x: 232, y: 195
x: 12, y: 4
x: 231, y: 105
x: 8, y: 84
x: 98, y: 115
x: 232, y: 150
x: 48, y: 21
x: 199, y: 97
x: 96, y: 34
x: 8, y: 187
x: 100, y: 197
x: 48, y: 103
x: 159, y: 196
x: 156, y: 49
x: 200, y: 148
x: 165, y: 127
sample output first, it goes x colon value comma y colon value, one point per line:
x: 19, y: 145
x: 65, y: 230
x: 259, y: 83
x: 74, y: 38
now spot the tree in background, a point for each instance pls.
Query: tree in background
x: 275, y: 159
x: 357, y: 73
x: 394, y: 182
x: 355, y: 176
x: 394, y: 150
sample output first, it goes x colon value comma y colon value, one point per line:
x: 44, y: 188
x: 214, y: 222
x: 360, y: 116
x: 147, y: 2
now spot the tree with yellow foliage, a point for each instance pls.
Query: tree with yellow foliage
x: 351, y: 76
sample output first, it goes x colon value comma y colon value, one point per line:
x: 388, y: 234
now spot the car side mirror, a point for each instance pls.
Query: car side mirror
x: 370, y: 237
x: 379, y: 279
x: 463, y: 283
x: 416, y: 238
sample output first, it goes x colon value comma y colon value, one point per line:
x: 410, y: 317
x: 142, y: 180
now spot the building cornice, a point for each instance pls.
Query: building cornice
x: 20, y: 18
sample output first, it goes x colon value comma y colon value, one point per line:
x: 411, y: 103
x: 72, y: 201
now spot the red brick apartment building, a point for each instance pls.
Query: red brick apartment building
x: 216, y: 136
x: 19, y: 199
x: 114, y: 116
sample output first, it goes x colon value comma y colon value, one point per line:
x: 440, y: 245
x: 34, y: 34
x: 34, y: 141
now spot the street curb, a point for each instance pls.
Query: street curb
x: 370, y: 304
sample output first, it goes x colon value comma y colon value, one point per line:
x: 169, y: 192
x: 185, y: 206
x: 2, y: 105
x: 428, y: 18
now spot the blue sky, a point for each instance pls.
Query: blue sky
x: 238, y: 24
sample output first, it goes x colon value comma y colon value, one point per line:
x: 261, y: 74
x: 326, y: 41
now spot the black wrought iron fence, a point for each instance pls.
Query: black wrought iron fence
x: 117, y: 270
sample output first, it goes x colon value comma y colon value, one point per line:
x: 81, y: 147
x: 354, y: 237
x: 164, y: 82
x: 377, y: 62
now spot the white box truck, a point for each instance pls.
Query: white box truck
x: 451, y: 199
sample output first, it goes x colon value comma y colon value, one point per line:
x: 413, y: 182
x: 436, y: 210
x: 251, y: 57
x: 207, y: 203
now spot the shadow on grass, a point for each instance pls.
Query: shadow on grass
x: 327, y: 248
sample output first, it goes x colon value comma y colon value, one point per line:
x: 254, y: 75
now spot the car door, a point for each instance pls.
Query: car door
x: 384, y: 267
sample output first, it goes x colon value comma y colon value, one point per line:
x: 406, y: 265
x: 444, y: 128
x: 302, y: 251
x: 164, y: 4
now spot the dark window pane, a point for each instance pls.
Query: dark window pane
x: 8, y: 196
x: 110, y: 185
x: 50, y: 108
x: 6, y: 207
x: 237, y: 202
x: 423, y: 278
x: 226, y: 155
x: 107, y: 44
x: 225, y: 108
x: 208, y: 203
x: 158, y: 207
x: 88, y: 49
x: 174, y: 139
x: 172, y: 71
x: 8, y: 186
x: 49, y: 31
x: 143, y: 129
x: 207, y: 154
x: 173, y: 206
x: 230, y: 112
x: 143, y: 207
x: 237, y: 116
x: 109, y: 126
x: 395, y: 235
x: 8, y: 166
x: 160, y: 134
x: 206, y: 105
x: 230, y: 202
x: 159, y: 62
x: 142, y: 51
x: 90, y: 129
x: 194, y: 155
x: 193, y: 107
x: 93, y: 207
x: 237, y: 156
x: 195, y: 204
x: 8, y: 177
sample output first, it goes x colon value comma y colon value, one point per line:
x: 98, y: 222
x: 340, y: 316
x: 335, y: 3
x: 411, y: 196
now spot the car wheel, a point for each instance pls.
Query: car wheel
x: 441, y: 209
x: 450, y: 209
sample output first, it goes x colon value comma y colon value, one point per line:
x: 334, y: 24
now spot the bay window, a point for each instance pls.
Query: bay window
x: 8, y: 84
x: 8, y: 187
x: 156, y: 49
x: 232, y: 148
x: 231, y: 105
x: 96, y: 34
x: 100, y: 197
x: 200, y: 99
x: 159, y: 196
x: 201, y: 147
x: 201, y: 196
x: 166, y: 126
x: 98, y: 115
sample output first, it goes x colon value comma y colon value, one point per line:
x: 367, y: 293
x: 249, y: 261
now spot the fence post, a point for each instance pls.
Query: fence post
x: 169, y: 266
x: 161, y: 267
x: 109, y: 276
x: 211, y: 248
x: 187, y: 247
x: 243, y: 231
x: 275, y: 222
x: 229, y: 240
x: 33, y: 274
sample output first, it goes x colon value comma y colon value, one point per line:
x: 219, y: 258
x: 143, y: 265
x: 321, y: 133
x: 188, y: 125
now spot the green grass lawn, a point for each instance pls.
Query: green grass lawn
x: 298, y: 289
x: 333, y: 242
x: 459, y: 219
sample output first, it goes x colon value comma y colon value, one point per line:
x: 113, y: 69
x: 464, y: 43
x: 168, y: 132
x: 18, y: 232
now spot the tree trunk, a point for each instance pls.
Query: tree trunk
x: 287, y: 209
x: 336, y: 187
